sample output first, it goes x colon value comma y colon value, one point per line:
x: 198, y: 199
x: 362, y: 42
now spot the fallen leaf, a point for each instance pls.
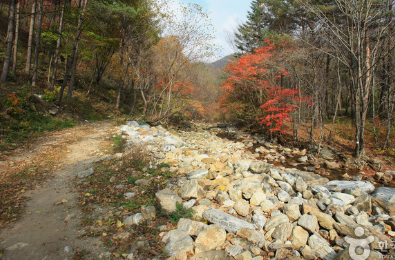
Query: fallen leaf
x: 153, y: 214
x: 23, y: 191
x: 64, y: 201
x: 99, y: 222
x: 119, y: 223
x: 116, y: 254
x: 29, y: 212
x: 37, y: 211
x: 104, y: 234
x: 87, y: 194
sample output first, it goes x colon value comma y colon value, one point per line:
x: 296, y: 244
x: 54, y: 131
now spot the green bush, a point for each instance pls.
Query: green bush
x: 180, y: 212
x: 132, y: 180
x: 51, y: 96
x: 164, y: 165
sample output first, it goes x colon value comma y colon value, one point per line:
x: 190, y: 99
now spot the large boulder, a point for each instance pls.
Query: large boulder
x: 299, y: 237
x: 198, y: 174
x: 176, y: 241
x: 228, y: 222
x: 212, y: 237
x: 385, y: 194
x: 341, y: 185
x: 320, y: 247
x: 191, y: 189
x: 276, y: 220
x: 167, y: 200
x: 309, y: 222
x: 191, y: 227
x: 259, y: 167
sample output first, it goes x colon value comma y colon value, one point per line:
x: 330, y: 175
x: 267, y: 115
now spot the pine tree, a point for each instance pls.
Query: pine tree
x: 250, y: 35
x: 268, y: 19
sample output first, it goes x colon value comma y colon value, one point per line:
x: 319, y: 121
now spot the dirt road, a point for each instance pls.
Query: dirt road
x: 50, y: 226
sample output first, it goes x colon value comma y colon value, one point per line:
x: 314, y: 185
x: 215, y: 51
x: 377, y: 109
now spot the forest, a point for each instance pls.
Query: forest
x: 314, y: 71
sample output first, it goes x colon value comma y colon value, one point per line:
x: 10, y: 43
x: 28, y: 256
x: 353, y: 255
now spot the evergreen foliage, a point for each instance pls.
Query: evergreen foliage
x: 267, y: 19
x: 251, y: 34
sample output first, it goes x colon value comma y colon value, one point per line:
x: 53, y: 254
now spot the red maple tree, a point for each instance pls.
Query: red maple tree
x: 252, y: 89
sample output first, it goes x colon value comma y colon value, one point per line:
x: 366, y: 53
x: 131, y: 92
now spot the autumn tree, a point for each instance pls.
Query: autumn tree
x: 253, y: 89
x: 356, y: 43
x: 187, y: 42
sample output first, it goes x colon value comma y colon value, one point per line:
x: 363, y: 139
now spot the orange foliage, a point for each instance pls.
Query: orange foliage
x: 252, y: 83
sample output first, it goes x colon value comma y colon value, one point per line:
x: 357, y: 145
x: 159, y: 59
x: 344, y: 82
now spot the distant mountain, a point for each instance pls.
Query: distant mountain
x: 221, y: 63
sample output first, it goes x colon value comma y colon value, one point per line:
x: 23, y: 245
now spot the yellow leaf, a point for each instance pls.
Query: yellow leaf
x: 125, y: 255
x: 153, y: 214
x: 104, y: 234
x: 119, y: 223
x: 99, y: 222
x: 29, y: 212
x: 221, y: 187
x: 64, y: 201
x: 87, y: 194
x: 23, y: 191
x: 38, y: 211
x: 116, y: 254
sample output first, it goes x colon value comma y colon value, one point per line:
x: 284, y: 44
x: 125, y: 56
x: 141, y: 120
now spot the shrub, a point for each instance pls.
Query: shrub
x: 51, y: 96
x: 137, y: 158
x: 180, y: 212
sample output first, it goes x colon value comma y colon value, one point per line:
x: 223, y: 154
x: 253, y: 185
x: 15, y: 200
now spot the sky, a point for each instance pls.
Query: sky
x: 226, y: 15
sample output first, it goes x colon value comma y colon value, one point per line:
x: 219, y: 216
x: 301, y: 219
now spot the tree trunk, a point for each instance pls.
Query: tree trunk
x: 118, y: 103
x: 66, y: 76
x: 18, y: 8
x: 389, y: 80
x: 73, y: 62
x: 58, y: 43
x: 73, y: 71
x: 38, y: 38
x: 30, y: 40
x: 337, y: 101
x: 10, y: 38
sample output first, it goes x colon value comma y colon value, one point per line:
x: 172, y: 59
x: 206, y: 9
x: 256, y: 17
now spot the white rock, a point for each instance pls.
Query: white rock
x: 346, y: 198
x: 257, y: 198
x: 309, y: 222
x: 267, y: 206
x: 320, y: 247
x: 135, y: 219
x: 283, y: 196
x: 259, y: 221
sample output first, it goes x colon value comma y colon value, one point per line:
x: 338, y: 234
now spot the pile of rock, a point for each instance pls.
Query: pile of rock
x: 249, y: 209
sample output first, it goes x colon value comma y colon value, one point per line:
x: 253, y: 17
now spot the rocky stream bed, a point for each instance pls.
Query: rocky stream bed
x: 250, y: 204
